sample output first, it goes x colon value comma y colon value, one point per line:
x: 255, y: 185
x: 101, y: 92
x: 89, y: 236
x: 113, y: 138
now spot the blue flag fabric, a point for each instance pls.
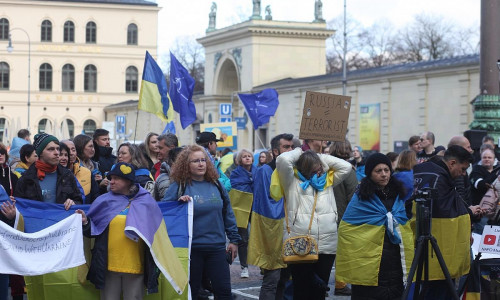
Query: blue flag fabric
x: 153, y: 97
x: 169, y: 128
x: 181, y: 92
x: 260, y: 106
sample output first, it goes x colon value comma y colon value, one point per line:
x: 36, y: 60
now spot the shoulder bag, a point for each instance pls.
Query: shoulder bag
x: 302, y: 248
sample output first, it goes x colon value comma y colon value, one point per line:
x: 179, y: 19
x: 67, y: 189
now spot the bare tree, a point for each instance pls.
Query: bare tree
x: 427, y: 38
x: 192, y: 56
x: 379, y: 44
x: 335, y: 45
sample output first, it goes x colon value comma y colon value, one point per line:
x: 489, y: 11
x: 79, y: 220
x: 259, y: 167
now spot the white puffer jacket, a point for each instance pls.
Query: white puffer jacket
x: 299, y: 202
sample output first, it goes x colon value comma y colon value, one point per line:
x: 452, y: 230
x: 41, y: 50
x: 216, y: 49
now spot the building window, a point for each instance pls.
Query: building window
x: 89, y: 127
x: 44, y: 125
x: 90, y: 33
x: 132, y: 34
x: 45, y: 77
x: 4, y: 76
x: 2, y: 130
x: 68, y: 128
x: 68, y: 78
x: 131, y: 79
x: 46, y: 31
x: 69, y: 32
x: 90, y: 79
x: 4, y: 29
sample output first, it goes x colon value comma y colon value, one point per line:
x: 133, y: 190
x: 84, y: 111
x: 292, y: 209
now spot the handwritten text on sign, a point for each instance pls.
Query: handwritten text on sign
x: 52, y: 249
x: 325, y: 117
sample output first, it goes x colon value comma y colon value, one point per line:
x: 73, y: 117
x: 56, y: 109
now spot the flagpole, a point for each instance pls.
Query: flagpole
x: 136, y: 119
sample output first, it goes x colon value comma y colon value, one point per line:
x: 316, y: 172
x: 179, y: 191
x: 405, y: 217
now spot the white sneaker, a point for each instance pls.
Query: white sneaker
x: 244, y: 273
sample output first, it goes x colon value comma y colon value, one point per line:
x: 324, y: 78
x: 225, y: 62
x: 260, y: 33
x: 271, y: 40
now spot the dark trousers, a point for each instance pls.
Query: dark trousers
x: 363, y: 292
x: 215, y: 264
x: 307, y: 278
x: 243, y: 247
x: 273, y: 284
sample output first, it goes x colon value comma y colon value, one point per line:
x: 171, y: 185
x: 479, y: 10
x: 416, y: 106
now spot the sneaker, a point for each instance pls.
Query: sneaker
x: 345, y: 291
x: 244, y: 273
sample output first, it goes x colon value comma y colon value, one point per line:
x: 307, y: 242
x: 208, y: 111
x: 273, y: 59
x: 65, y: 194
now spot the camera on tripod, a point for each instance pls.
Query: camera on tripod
x: 424, y: 198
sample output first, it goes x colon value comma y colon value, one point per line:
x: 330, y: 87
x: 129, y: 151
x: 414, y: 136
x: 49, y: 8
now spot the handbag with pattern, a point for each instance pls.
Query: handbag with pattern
x: 302, y: 248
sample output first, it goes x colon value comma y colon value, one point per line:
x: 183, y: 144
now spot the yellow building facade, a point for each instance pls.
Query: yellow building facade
x: 79, y: 57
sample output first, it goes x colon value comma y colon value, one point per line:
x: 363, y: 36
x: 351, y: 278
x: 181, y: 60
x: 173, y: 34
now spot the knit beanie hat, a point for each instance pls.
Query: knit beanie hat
x: 42, y: 140
x: 123, y: 170
x: 373, y: 160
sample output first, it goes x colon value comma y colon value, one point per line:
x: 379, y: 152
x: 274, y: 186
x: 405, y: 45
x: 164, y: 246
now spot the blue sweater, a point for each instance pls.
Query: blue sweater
x: 210, y: 226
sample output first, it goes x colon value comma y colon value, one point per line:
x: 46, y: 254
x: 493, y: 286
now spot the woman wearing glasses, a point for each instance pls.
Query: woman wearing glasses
x: 213, y: 219
x: 307, y: 180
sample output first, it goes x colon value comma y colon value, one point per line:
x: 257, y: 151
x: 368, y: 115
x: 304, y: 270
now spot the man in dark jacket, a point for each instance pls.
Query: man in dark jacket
x: 450, y: 218
x: 46, y: 180
x: 103, y: 152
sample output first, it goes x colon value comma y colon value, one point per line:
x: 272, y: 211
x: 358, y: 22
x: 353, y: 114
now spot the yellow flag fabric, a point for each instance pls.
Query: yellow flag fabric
x: 150, y: 101
x: 359, y: 252
x: 241, y: 202
x: 265, y: 242
x: 454, y: 245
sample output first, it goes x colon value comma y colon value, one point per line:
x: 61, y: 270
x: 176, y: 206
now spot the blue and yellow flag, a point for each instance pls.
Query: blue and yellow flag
x: 361, y: 240
x: 266, y: 237
x: 34, y: 216
x: 154, y: 96
x: 241, y: 194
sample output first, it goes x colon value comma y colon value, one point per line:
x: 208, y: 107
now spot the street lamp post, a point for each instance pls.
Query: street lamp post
x: 10, y: 49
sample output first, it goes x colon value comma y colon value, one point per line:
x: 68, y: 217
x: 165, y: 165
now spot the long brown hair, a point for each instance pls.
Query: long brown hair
x: 180, y: 172
x: 407, y: 160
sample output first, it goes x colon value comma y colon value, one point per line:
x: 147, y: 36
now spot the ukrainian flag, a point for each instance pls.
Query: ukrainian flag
x: 154, y: 96
x: 266, y: 237
x: 361, y: 239
x: 71, y: 284
x: 241, y: 194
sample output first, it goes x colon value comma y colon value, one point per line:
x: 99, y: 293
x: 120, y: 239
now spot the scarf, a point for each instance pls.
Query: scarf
x: 318, y: 183
x: 43, y: 168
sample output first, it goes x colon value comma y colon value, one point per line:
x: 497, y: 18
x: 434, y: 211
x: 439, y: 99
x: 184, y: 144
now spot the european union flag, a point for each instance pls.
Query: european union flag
x: 260, y: 106
x: 181, y: 92
x: 153, y: 97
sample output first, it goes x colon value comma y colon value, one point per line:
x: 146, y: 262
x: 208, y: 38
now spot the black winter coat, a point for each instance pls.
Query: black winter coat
x: 28, y: 186
x: 8, y: 179
x: 104, y: 157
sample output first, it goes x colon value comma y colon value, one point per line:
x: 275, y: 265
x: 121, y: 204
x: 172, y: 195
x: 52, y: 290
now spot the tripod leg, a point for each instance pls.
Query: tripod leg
x: 416, y: 259
x: 446, y: 273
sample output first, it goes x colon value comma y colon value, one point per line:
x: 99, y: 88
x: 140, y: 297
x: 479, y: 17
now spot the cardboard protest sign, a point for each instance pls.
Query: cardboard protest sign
x: 325, y: 117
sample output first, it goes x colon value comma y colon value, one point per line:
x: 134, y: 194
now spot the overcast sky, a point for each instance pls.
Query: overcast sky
x: 190, y: 17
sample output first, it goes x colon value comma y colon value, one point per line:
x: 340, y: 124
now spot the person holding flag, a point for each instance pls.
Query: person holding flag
x: 241, y: 195
x: 128, y: 226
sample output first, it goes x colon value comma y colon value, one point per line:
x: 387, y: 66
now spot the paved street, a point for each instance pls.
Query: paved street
x: 248, y: 288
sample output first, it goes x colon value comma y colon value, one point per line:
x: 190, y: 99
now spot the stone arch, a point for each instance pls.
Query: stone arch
x: 227, y: 77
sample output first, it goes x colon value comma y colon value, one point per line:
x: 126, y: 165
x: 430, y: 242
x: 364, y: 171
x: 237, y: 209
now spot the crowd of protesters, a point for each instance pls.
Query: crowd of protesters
x: 357, y: 205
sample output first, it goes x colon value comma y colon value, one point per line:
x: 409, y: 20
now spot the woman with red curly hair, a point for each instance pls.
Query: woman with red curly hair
x: 193, y: 179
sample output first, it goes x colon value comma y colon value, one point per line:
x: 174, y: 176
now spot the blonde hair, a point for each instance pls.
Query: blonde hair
x: 239, y: 156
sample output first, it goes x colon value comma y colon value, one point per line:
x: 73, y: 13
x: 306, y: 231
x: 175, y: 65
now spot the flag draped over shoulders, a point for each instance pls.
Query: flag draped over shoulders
x: 266, y: 237
x: 144, y: 221
x: 361, y: 239
x: 153, y: 96
x: 71, y: 284
x: 241, y: 194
